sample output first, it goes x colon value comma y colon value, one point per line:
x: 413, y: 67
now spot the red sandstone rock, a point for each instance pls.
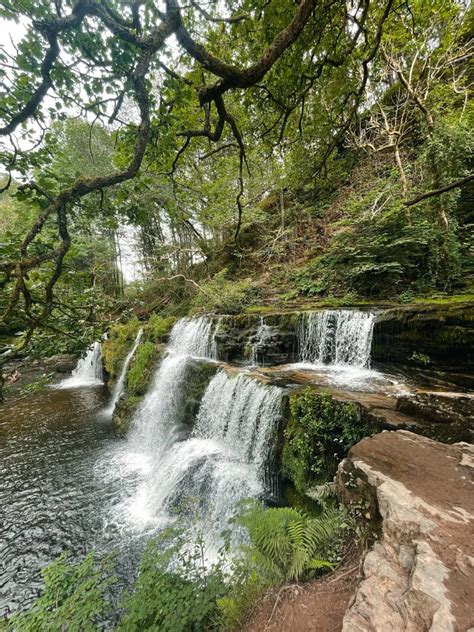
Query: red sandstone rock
x: 420, y: 575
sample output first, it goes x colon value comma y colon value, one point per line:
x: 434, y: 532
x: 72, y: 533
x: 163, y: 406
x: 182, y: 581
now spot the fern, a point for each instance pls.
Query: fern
x: 286, y: 544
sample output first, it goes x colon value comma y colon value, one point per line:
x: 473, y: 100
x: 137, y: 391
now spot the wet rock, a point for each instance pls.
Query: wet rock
x: 236, y: 336
x: 123, y: 413
x: 420, y: 575
x: 422, y: 336
x: 439, y: 407
x: 198, y: 375
x: 61, y: 363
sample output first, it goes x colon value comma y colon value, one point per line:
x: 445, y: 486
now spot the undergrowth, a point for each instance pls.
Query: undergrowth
x: 177, y: 589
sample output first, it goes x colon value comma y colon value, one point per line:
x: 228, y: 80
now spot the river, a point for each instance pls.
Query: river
x: 52, y: 497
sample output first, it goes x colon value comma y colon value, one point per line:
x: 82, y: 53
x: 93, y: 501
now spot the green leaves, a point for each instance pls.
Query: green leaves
x: 319, y: 435
x: 287, y: 545
x: 74, y: 597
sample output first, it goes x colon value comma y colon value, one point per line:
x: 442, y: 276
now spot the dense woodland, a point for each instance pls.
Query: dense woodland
x: 248, y: 155
x: 264, y: 154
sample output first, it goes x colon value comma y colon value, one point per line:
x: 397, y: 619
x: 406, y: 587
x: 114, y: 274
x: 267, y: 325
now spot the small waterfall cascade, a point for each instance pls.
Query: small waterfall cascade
x: 265, y: 334
x: 192, y: 337
x: 213, y: 342
x: 120, y: 384
x: 158, y: 421
x: 336, y: 337
x: 221, y: 461
x: 88, y: 371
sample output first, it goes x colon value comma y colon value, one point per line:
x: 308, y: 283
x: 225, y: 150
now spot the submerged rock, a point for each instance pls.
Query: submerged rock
x: 420, y: 574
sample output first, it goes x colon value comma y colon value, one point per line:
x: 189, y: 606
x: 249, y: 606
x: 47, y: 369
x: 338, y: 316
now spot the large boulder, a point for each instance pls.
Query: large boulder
x: 419, y: 576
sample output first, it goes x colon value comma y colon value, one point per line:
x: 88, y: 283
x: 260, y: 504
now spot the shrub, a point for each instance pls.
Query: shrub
x: 73, y: 598
x: 164, y: 601
x: 221, y: 295
x: 158, y: 327
x: 284, y: 544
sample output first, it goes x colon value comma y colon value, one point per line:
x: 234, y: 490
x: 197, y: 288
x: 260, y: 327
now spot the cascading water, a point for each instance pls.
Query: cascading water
x: 120, y: 384
x: 336, y: 337
x: 265, y: 334
x: 88, y: 371
x: 221, y: 460
x: 213, y: 343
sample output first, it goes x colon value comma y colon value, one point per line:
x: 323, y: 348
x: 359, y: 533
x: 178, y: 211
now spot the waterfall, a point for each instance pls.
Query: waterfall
x: 219, y: 459
x: 265, y: 333
x: 120, y: 384
x: 222, y: 460
x: 158, y: 420
x: 213, y: 342
x: 88, y: 371
x: 192, y: 337
x: 336, y: 337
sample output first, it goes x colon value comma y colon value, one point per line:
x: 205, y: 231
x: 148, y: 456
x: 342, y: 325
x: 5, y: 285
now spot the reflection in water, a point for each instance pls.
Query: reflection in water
x: 49, y: 495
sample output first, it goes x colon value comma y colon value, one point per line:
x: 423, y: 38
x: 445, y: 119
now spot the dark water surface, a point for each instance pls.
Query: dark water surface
x: 51, y: 498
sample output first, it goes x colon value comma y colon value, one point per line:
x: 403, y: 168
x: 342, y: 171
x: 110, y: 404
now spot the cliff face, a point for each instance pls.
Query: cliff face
x: 420, y: 574
x: 430, y: 336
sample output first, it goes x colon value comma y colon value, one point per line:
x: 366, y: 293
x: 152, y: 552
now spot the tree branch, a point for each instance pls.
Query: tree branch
x: 445, y: 189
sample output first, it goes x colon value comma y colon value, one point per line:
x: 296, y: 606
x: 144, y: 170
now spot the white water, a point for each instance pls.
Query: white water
x: 341, y: 338
x: 88, y: 371
x: 120, y: 384
x: 263, y: 337
x: 213, y: 343
x: 214, y: 465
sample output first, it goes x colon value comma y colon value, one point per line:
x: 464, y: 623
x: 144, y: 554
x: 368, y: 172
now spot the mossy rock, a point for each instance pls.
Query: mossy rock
x: 320, y: 432
x: 123, y: 413
x: 141, y: 368
x: 120, y: 339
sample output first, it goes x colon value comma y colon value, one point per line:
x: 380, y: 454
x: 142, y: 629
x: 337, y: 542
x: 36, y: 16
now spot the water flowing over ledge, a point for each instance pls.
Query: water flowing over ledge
x: 120, y: 384
x: 336, y: 337
x: 215, y: 463
x: 88, y: 372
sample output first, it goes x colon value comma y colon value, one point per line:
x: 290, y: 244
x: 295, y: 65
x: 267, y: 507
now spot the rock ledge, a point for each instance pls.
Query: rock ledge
x: 420, y: 575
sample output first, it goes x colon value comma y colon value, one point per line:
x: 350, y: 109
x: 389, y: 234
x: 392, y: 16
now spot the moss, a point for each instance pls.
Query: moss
x: 319, y: 434
x: 114, y: 350
x: 158, y: 327
x: 446, y: 300
x: 141, y: 368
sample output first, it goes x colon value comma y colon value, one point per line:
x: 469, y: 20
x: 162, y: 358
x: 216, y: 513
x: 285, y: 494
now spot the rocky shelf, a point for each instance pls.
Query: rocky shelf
x: 420, y: 574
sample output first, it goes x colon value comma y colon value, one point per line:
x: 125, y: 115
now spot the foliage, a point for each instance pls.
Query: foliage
x: 222, y: 295
x: 377, y: 249
x: 318, y: 436
x: 286, y: 544
x: 158, y: 327
x: 74, y: 597
x: 165, y: 601
x: 119, y: 340
x: 141, y: 367
x: 177, y: 588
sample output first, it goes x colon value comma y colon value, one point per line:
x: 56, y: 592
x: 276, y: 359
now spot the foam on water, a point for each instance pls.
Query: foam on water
x: 88, y: 371
x: 220, y: 461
